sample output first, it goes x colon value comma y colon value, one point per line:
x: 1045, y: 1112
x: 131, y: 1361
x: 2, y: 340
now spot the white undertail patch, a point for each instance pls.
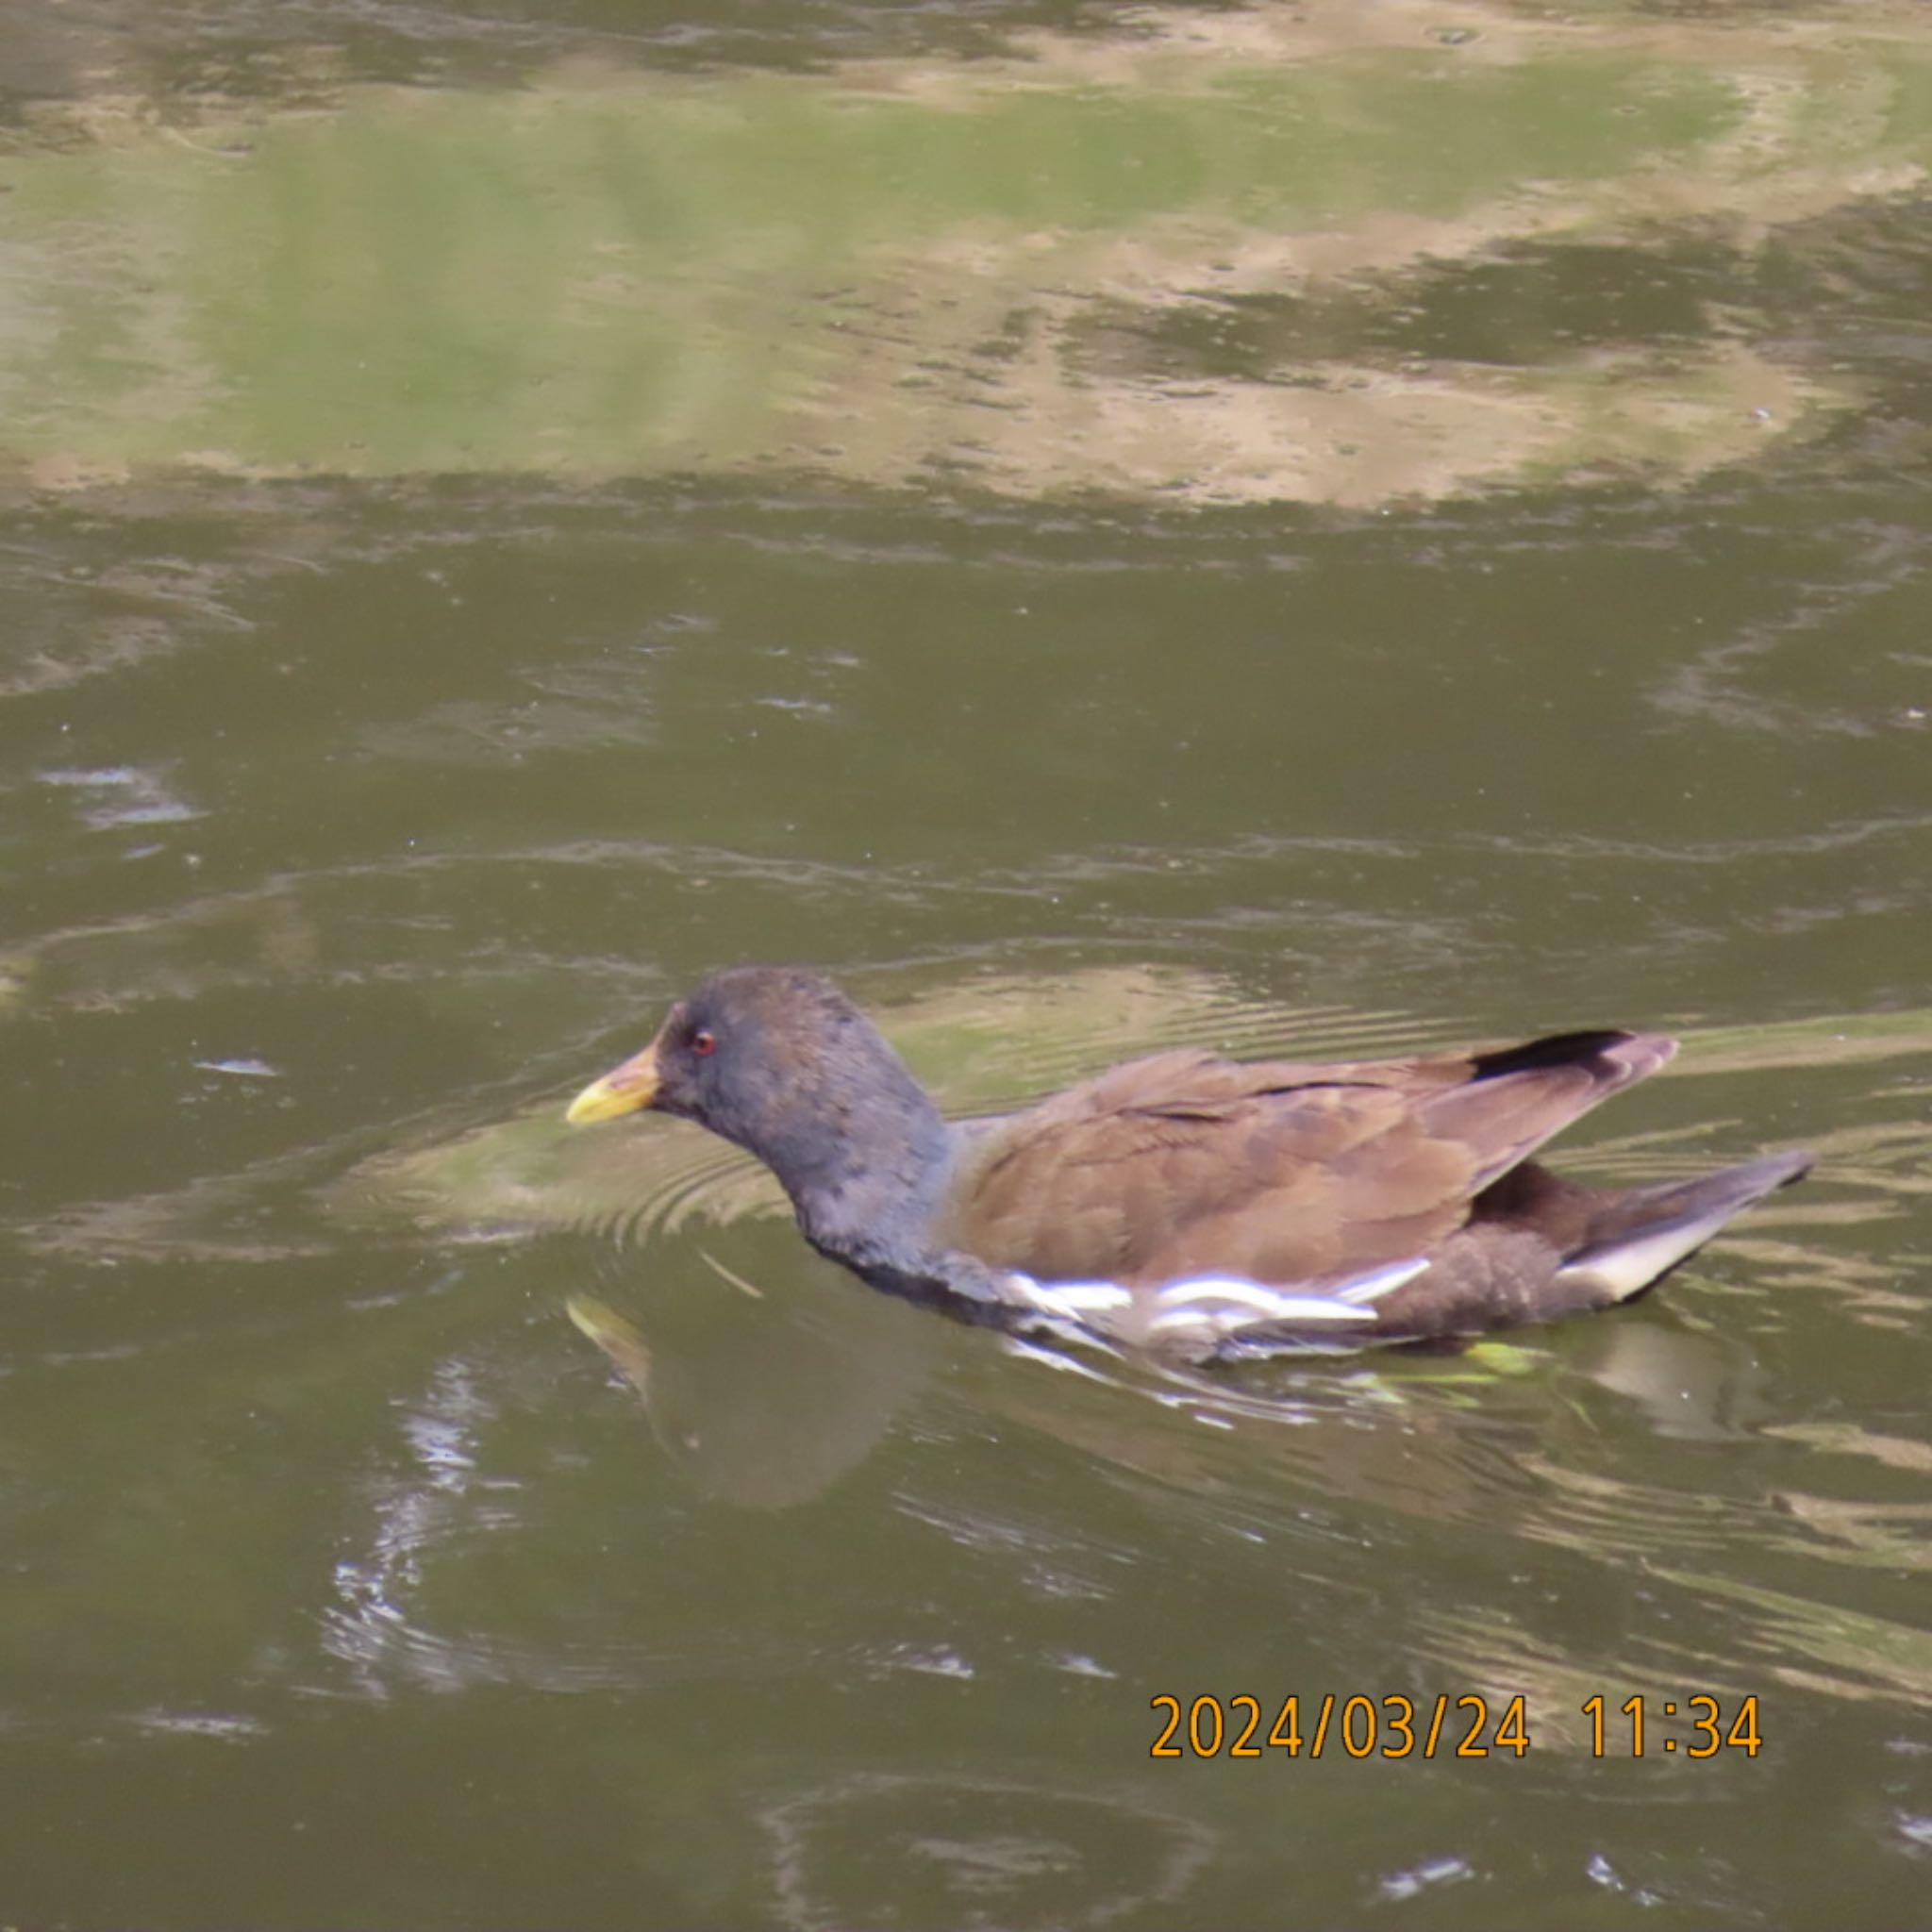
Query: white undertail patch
x: 1627, y: 1268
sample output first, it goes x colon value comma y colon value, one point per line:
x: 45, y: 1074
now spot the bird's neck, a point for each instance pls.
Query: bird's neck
x: 868, y: 1191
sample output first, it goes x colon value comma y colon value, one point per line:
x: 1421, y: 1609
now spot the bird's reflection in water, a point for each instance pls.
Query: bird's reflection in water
x: 777, y: 1395
x: 775, y: 1399
x: 1691, y: 1385
x: 1557, y: 1452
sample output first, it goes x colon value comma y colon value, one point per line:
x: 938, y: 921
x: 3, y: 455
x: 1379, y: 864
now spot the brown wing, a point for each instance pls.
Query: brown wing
x: 1185, y: 1164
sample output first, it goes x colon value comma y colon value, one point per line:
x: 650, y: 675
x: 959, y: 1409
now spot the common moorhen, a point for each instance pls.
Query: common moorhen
x: 1204, y: 1209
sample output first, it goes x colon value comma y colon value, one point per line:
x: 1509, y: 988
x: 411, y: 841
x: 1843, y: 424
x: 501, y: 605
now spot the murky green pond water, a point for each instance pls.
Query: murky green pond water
x: 1313, y: 529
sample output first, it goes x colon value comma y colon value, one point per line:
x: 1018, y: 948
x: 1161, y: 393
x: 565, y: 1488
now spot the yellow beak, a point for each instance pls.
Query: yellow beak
x: 623, y: 1090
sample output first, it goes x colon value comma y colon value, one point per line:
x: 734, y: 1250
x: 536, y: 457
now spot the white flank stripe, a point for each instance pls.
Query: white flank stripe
x: 1220, y: 1288
x: 1070, y: 1299
x: 1370, y: 1288
x: 1286, y: 1307
x: 1216, y: 1306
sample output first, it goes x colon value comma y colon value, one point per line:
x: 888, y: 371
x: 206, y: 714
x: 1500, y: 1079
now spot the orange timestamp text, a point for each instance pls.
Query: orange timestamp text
x: 1472, y: 1726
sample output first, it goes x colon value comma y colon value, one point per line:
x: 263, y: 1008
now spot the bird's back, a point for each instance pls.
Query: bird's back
x: 1187, y: 1164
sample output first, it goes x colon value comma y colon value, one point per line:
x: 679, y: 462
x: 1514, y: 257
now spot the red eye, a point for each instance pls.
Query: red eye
x: 704, y: 1044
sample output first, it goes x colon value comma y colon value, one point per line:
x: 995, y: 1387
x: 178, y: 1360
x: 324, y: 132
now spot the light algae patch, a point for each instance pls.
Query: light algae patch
x: 898, y: 271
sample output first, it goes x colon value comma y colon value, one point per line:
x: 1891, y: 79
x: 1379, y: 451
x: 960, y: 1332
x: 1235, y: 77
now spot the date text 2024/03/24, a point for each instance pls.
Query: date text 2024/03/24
x: 1397, y: 1726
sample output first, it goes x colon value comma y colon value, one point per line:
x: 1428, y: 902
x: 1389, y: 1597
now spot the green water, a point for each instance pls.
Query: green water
x: 1304, y: 530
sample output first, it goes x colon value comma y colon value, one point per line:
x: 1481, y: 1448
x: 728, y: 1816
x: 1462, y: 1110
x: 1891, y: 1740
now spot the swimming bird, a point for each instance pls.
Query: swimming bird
x: 1197, y: 1207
